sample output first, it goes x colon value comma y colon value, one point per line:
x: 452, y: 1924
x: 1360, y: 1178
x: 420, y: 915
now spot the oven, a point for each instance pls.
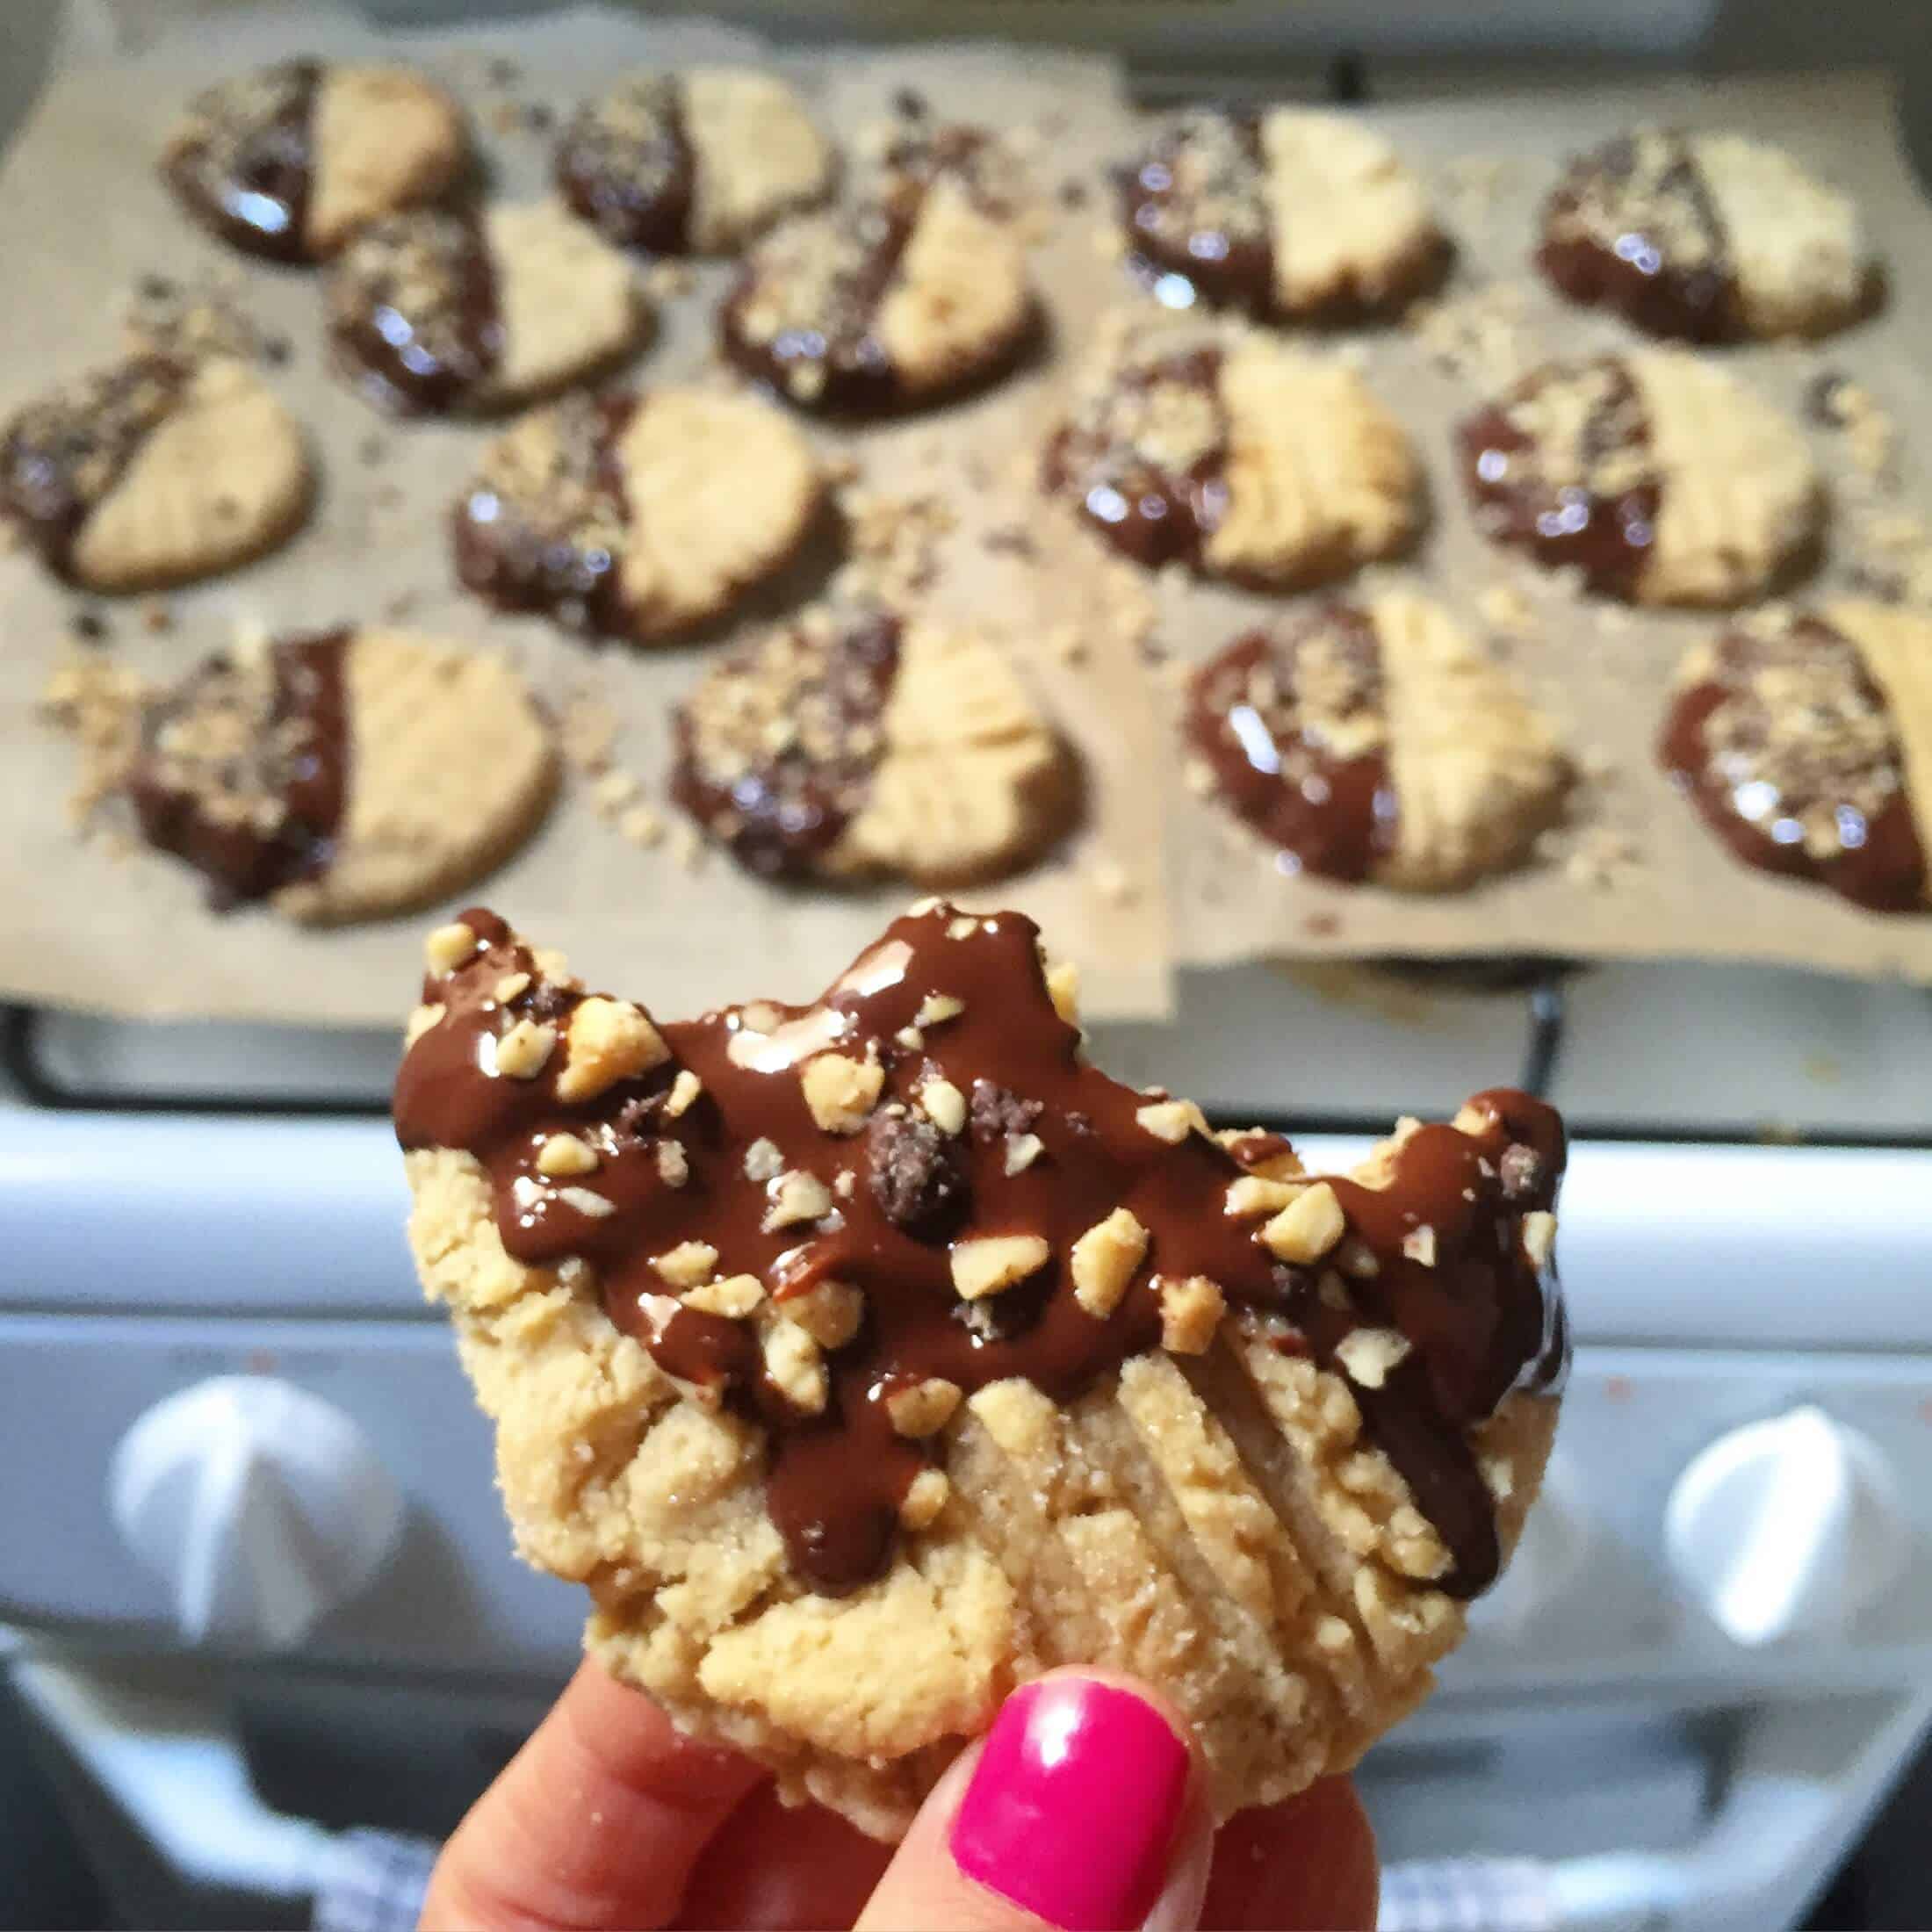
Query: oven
x: 264, y: 1681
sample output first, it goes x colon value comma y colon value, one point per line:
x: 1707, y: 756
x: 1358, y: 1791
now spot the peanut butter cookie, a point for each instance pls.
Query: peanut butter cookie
x: 1285, y: 213
x: 851, y: 742
x: 1711, y: 237
x: 870, y: 1357
x: 440, y: 310
x: 342, y: 776
x: 693, y: 163
x: 288, y: 162
x: 154, y: 472
x: 637, y: 514
x: 1245, y: 459
x: 1377, y: 742
x: 1662, y: 480
x: 1804, y: 741
x: 914, y: 290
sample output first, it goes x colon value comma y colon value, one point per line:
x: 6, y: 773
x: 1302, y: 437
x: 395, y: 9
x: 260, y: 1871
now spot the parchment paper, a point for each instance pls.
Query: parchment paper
x: 81, y: 215
x: 1603, y: 672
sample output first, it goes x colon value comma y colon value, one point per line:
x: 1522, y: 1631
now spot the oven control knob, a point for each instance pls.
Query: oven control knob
x: 260, y: 1506
x: 1785, y: 1527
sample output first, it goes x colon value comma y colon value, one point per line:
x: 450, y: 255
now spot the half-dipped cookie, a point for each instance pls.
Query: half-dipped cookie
x: 1804, y: 741
x: 1378, y: 742
x: 851, y: 741
x: 1709, y: 237
x: 697, y: 162
x: 449, y: 310
x: 1246, y: 459
x: 154, y: 472
x: 1288, y: 214
x: 344, y: 775
x: 869, y: 1358
x: 910, y: 291
x: 636, y: 514
x: 1662, y: 480
x: 289, y: 161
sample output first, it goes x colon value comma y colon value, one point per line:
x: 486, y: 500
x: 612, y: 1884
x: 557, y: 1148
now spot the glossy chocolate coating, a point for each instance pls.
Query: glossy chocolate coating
x: 1868, y: 853
x: 1607, y: 533
x: 273, y: 813
x: 412, y: 312
x: 1144, y: 504
x: 1665, y: 265
x: 1333, y: 815
x: 247, y: 167
x: 780, y: 803
x: 1480, y: 1319
x: 60, y: 456
x: 625, y: 165
x: 1195, y: 207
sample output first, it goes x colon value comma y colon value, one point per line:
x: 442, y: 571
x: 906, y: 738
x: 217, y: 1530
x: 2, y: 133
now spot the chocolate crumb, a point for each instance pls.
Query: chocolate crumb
x: 915, y: 1174
x: 997, y: 1111
x: 1011, y: 542
x: 91, y: 625
x: 1073, y: 194
x: 909, y: 103
x: 1825, y: 398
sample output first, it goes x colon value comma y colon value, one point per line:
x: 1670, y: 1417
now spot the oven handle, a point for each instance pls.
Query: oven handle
x: 175, y: 1766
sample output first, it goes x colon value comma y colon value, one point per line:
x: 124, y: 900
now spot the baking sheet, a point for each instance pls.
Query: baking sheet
x: 1634, y: 873
x: 81, y: 216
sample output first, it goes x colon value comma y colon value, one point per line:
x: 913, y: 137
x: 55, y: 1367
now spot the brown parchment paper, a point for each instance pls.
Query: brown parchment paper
x: 81, y: 215
x: 1603, y: 672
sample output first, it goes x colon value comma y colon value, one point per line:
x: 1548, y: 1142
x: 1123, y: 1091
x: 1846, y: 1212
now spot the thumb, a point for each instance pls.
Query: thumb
x: 1084, y: 1808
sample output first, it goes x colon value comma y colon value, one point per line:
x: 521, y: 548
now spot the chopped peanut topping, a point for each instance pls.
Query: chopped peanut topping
x: 510, y: 986
x: 1419, y: 1244
x: 688, y: 1264
x: 683, y: 1094
x: 795, y: 1197
x: 830, y: 1312
x: 564, y: 1154
x: 841, y: 1091
x: 608, y: 1041
x: 1103, y: 1261
x: 1192, y: 1306
x: 1023, y: 1151
x: 733, y: 1296
x: 586, y: 1203
x: 421, y: 1021
x: 448, y: 947
x: 986, y: 1263
x: 793, y: 1362
x: 763, y: 1161
x: 1171, y: 1120
x: 945, y: 1106
x: 1064, y: 989
x: 1308, y: 1226
x: 926, y: 1497
x: 924, y: 1409
x: 522, y: 1051
x: 936, y: 1008
x: 673, y: 1163
x: 1369, y: 1355
x: 1539, y: 1234
x: 1253, y: 1196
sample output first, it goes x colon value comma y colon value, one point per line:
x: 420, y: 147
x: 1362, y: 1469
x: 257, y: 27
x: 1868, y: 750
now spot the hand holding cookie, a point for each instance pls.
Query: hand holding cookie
x: 609, y: 1817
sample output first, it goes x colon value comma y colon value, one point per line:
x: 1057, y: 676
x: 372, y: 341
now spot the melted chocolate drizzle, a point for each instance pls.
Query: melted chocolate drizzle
x: 1332, y: 814
x: 273, y: 812
x: 1606, y: 532
x: 1143, y: 504
x: 62, y: 455
x: 1875, y: 859
x: 779, y: 802
x: 554, y: 543
x: 1480, y: 1320
x: 1608, y: 239
x: 247, y: 168
x: 413, y: 310
x: 625, y: 165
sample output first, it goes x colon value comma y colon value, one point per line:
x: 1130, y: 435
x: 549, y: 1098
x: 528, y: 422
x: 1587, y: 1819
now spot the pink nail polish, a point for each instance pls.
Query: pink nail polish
x: 1072, y: 1809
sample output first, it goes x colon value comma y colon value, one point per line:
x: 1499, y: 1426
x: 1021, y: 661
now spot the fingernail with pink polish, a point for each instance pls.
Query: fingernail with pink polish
x: 1072, y: 1808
